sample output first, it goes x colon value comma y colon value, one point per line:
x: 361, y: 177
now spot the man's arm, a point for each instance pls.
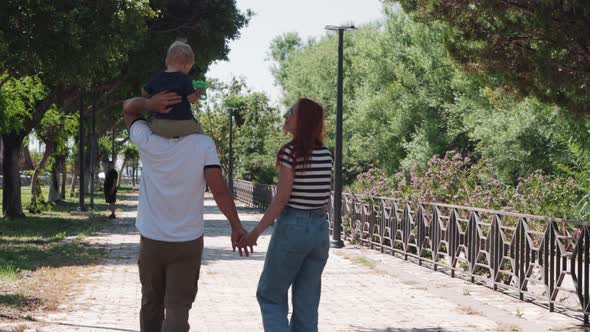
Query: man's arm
x: 222, y: 195
x: 226, y: 204
x: 134, y: 108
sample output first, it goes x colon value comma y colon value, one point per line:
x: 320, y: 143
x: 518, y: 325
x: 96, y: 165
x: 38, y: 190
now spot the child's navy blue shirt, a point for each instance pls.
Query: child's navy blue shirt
x: 173, y: 82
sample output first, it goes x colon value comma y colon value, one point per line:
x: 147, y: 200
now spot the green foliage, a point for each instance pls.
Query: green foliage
x: 38, y: 203
x: 406, y: 99
x: 256, y: 135
x: 281, y: 48
x: 396, y: 90
x: 256, y: 130
x: 540, y: 47
x: 57, y: 127
x: 56, y: 41
x: 519, y: 136
x: 17, y: 98
x: 131, y: 153
x: 546, y: 195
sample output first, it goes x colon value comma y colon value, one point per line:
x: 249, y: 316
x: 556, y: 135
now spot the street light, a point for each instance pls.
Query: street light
x: 92, y: 150
x: 81, y: 206
x: 336, y: 241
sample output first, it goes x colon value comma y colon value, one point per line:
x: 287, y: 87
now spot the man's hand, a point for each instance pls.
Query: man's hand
x: 162, y: 101
x: 237, y: 235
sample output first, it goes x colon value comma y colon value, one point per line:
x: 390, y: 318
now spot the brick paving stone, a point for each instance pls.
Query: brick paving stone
x: 363, y: 290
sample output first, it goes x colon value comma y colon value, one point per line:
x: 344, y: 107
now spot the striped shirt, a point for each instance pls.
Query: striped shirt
x: 312, y: 181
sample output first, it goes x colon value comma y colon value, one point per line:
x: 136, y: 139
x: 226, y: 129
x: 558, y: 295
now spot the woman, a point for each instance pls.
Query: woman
x: 298, y: 249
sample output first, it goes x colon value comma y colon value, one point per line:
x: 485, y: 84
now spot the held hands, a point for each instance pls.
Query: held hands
x: 249, y: 240
x: 236, y: 237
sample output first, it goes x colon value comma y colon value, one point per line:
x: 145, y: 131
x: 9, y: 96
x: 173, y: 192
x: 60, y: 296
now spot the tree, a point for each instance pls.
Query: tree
x: 256, y: 129
x: 126, y: 41
x: 130, y: 156
x: 17, y: 97
x: 54, y: 130
x: 396, y: 91
x: 539, y: 47
x: 281, y: 47
x: 407, y: 100
x: 54, y: 42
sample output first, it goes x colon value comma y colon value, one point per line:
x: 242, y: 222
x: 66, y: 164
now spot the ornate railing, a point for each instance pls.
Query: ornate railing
x: 538, y: 258
x: 253, y: 194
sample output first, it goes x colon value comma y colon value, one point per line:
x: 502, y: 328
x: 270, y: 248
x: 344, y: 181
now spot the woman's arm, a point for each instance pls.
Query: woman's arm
x: 284, y: 188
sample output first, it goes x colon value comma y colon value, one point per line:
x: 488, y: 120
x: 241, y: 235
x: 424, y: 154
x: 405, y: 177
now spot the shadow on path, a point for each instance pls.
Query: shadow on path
x: 101, y: 328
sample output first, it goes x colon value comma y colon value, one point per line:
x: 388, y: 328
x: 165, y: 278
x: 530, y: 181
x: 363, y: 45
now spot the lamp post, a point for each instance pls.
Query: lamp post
x: 336, y: 241
x: 81, y: 206
x: 92, y: 150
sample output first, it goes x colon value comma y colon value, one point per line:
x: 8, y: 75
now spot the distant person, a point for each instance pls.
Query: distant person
x: 179, y: 120
x: 110, y: 186
x: 298, y: 249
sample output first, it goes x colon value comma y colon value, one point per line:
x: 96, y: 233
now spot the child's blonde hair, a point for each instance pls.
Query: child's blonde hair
x: 180, y: 53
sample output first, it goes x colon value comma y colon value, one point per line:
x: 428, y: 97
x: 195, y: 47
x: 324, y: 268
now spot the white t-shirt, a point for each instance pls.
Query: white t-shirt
x: 172, y: 183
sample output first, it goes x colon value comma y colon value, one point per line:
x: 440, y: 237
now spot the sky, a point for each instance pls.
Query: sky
x: 248, y: 54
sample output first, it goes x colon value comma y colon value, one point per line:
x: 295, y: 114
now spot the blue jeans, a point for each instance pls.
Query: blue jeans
x: 297, y: 254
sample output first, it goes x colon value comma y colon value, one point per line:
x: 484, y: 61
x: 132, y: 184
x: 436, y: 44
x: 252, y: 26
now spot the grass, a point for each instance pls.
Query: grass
x: 365, y: 261
x: 43, y: 256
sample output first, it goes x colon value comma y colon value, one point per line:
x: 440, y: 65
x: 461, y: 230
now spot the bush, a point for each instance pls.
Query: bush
x: 257, y: 168
x: 454, y: 179
x: 546, y: 195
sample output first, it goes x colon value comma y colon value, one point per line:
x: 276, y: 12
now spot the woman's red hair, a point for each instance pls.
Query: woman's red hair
x: 310, y: 131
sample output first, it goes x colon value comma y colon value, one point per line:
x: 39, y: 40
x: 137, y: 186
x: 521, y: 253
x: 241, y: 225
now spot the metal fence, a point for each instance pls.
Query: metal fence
x: 535, y: 257
x: 253, y: 194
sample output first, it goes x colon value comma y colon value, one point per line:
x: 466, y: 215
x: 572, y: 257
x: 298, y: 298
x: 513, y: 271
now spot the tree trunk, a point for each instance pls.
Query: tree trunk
x: 54, y: 194
x: 35, y: 188
x: 121, y: 172
x: 87, y: 163
x: 74, y: 178
x: 29, y: 164
x: 1, y: 156
x: 64, y: 175
x: 11, y: 190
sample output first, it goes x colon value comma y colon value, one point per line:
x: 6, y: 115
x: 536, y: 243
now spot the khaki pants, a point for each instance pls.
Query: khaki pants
x: 175, y: 128
x: 169, y: 273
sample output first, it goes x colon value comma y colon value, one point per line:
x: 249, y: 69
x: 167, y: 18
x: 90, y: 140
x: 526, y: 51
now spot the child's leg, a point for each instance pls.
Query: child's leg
x: 175, y: 128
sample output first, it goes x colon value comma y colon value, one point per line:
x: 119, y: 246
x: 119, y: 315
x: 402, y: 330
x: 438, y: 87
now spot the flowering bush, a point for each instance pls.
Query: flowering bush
x: 546, y: 195
x: 372, y: 183
x: 454, y: 179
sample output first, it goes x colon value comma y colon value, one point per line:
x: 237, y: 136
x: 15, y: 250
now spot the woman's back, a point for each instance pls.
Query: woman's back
x: 312, y: 179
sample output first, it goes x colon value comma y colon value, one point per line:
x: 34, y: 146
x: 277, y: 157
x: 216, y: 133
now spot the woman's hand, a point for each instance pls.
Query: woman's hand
x: 250, y: 239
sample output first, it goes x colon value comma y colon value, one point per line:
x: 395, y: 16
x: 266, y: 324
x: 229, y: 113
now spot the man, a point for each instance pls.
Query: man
x: 170, y: 214
x: 110, y: 186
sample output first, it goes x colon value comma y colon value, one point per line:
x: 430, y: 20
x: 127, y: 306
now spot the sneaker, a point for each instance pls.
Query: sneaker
x: 112, y: 216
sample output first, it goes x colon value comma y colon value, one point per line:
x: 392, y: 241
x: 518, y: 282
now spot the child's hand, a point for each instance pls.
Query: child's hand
x: 200, y: 91
x: 194, y: 97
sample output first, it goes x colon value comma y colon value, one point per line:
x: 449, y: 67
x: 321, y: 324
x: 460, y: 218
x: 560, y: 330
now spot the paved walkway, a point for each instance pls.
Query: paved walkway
x: 362, y: 291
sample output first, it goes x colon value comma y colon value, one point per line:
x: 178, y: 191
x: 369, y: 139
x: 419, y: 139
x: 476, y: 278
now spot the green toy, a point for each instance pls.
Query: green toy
x: 201, y: 84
